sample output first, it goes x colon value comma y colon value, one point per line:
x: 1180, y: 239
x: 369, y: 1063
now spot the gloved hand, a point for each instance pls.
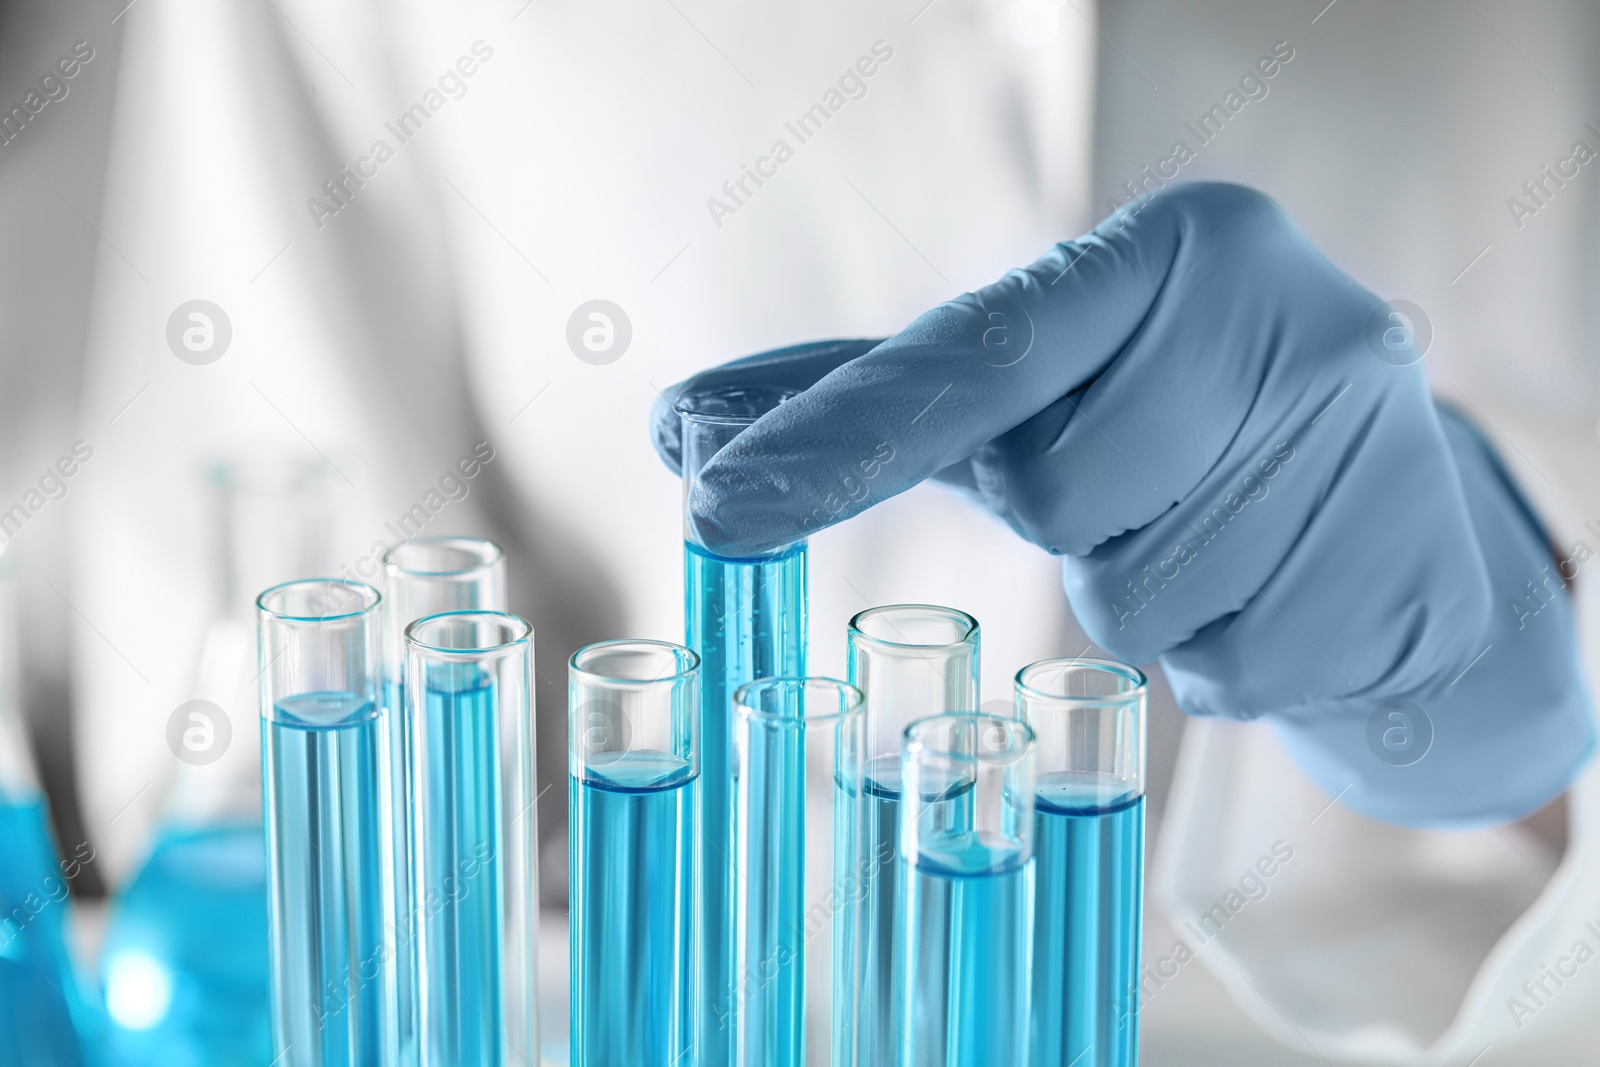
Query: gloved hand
x: 1188, y: 405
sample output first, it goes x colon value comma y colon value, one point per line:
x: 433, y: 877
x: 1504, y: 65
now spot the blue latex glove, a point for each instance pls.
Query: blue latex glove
x: 1186, y: 405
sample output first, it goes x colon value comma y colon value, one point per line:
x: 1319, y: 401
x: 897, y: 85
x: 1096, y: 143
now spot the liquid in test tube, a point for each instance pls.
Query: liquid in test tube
x: 967, y: 841
x: 633, y: 707
x: 1089, y: 716
x: 325, y: 780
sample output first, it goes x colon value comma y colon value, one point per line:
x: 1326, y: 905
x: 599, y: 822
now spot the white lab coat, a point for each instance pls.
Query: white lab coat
x: 431, y: 311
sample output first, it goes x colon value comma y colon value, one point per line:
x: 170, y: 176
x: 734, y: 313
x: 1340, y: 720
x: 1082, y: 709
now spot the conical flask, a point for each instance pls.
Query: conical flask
x: 43, y: 1017
x: 185, y: 957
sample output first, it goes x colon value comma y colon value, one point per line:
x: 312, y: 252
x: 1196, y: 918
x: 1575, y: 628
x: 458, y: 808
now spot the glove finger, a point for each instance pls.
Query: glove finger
x: 956, y: 378
x: 795, y: 368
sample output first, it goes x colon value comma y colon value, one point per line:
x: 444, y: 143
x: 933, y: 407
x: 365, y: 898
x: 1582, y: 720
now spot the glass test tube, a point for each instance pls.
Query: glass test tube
x: 423, y: 576
x: 967, y: 841
x: 469, y: 699
x: 325, y: 781
x: 632, y: 711
x: 909, y: 661
x: 1089, y: 716
x: 802, y: 860
x: 746, y: 619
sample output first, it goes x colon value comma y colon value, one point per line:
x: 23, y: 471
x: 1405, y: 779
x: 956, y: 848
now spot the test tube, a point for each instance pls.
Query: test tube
x: 909, y: 661
x: 469, y: 698
x: 746, y: 619
x: 423, y: 576
x: 632, y: 711
x: 801, y: 861
x: 325, y: 779
x: 966, y: 838
x: 1089, y: 716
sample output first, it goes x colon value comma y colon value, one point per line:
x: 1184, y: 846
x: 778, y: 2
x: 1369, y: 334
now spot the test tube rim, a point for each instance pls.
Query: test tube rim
x: 689, y: 668
x: 1124, y: 671
x: 761, y: 717
x: 485, y: 562
x: 687, y: 404
x: 854, y: 630
x: 912, y: 746
x: 522, y: 627
x: 361, y: 589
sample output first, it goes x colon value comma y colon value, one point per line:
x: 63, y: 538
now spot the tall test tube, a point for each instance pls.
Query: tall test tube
x: 423, y: 576
x: 802, y: 860
x: 1089, y: 716
x: 325, y: 780
x: 469, y: 698
x: 909, y: 661
x: 967, y: 842
x: 632, y: 712
x: 746, y: 619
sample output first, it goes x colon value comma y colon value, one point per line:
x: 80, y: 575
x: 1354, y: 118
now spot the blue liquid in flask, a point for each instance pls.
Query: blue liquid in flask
x: 325, y: 758
x: 192, y: 925
x: 38, y: 989
x: 1089, y: 859
x: 631, y: 850
x: 966, y: 982
x: 746, y: 619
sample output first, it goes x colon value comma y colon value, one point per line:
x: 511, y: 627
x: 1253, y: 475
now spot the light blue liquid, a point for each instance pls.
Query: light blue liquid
x: 746, y: 619
x: 884, y: 895
x: 38, y: 990
x: 458, y: 870
x: 877, y: 1036
x: 1089, y: 855
x: 197, y: 910
x: 965, y: 989
x: 632, y: 850
x: 768, y: 998
x: 406, y: 921
x: 325, y: 771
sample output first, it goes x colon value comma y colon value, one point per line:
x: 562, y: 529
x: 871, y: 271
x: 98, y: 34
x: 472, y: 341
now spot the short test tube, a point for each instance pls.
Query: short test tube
x: 1089, y: 717
x: 469, y: 698
x: 967, y: 842
x: 633, y: 708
